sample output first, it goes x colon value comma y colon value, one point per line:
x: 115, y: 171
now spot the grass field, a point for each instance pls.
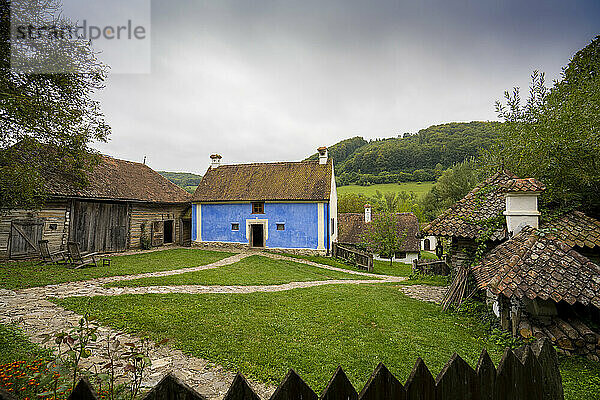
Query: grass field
x: 420, y: 189
x: 379, y: 267
x: 253, y: 270
x: 314, y: 330
x: 311, y: 330
x: 17, y: 347
x: 19, y: 275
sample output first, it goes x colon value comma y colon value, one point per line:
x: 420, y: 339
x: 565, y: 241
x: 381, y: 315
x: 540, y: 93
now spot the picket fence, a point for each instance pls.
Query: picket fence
x: 528, y: 373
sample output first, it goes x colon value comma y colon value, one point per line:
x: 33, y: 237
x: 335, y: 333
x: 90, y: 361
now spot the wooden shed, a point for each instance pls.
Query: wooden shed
x: 124, y: 204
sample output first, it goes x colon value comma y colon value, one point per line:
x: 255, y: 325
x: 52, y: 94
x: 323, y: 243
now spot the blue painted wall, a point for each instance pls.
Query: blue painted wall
x: 300, y: 219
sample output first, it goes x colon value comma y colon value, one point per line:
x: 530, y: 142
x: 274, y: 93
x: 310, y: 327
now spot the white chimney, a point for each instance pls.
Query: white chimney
x: 522, y: 204
x: 322, y: 155
x: 215, y: 160
x: 367, y: 213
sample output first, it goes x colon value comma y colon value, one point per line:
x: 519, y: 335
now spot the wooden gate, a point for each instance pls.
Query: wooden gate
x: 24, y: 238
x: 100, y: 227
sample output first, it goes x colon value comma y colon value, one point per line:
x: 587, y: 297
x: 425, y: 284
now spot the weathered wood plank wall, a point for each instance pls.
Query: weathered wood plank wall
x: 148, y: 213
x: 55, y: 214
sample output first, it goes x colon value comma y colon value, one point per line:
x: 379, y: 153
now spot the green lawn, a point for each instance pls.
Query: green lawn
x: 17, y: 347
x: 419, y: 189
x: 313, y: 330
x: 379, y: 267
x: 18, y: 275
x: 253, y: 270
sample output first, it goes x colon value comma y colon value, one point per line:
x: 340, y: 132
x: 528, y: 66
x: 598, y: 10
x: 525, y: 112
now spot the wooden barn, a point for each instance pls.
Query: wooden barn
x: 124, y: 204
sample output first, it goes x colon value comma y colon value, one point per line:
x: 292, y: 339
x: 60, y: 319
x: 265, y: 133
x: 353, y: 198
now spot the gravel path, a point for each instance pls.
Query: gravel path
x: 431, y: 294
x: 29, y: 309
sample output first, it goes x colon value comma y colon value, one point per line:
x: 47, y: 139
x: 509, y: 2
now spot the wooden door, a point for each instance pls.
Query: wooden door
x: 99, y: 227
x: 24, y: 238
x: 158, y: 233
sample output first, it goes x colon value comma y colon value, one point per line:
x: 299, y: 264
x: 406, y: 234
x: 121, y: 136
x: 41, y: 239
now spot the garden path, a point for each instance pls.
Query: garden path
x: 431, y: 294
x: 29, y: 309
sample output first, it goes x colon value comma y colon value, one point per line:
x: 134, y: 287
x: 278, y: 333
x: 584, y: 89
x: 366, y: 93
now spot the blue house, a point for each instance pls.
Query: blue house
x: 282, y: 205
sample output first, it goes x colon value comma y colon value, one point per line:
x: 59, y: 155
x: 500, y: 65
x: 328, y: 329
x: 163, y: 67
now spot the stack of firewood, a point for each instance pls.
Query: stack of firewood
x: 570, y: 336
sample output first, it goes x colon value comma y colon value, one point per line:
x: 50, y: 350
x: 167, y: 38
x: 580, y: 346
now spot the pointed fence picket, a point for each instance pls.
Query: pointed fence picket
x: 528, y: 373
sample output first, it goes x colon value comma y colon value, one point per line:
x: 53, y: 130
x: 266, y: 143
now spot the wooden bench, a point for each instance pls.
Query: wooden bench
x: 48, y: 257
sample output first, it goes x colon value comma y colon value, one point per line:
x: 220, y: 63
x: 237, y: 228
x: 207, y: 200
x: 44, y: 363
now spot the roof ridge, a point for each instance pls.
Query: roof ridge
x: 269, y: 163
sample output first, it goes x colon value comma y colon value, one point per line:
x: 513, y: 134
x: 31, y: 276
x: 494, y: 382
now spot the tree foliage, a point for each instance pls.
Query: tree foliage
x: 381, y: 202
x: 383, y: 236
x: 53, y: 117
x: 412, y: 157
x: 555, y: 135
x: 452, y: 186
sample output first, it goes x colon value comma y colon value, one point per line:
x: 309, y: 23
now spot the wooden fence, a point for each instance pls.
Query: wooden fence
x: 431, y: 267
x: 361, y: 259
x: 528, y: 373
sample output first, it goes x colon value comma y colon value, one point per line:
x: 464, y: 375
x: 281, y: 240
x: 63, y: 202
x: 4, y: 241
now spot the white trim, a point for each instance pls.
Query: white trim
x: 265, y: 222
x: 198, y: 222
x: 333, y: 211
x: 265, y: 201
x: 321, y: 226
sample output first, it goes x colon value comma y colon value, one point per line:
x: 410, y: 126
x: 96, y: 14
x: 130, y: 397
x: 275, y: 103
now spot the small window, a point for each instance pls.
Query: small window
x: 332, y: 226
x: 258, y: 208
x: 280, y: 227
x: 235, y: 226
x: 53, y: 227
x: 400, y: 254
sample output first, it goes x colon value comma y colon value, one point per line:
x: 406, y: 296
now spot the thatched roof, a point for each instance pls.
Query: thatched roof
x: 285, y: 181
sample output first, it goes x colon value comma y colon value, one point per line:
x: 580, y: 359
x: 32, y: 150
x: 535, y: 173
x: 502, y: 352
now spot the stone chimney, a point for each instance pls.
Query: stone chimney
x: 322, y: 155
x: 367, y: 213
x: 522, y: 204
x: 215, y: 160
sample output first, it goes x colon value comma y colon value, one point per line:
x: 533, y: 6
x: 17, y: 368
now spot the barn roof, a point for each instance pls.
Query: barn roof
x: 536, y: 264
x: 466, y: 217
x: 302, y: 180
x: 115, y: 179
x: 352, y: 225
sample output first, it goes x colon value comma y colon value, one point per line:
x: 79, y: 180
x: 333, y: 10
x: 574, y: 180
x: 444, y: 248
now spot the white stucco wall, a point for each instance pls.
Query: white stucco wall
x: 432, y: 243
x: 333, y: 234
x: 410, y: 256
x: 521, y: 210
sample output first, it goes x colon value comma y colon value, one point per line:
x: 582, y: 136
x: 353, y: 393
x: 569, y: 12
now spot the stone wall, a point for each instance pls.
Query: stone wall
x: 226, y: 246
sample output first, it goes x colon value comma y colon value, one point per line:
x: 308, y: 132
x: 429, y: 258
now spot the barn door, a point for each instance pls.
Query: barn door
x: 24, y: 238
x: 99, y: 227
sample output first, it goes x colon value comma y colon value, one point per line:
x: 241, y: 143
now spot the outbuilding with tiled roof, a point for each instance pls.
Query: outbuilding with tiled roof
x: 542, y: 278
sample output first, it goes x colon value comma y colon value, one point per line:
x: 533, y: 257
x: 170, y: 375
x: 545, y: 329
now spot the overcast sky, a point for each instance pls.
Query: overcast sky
x: 258, y: 80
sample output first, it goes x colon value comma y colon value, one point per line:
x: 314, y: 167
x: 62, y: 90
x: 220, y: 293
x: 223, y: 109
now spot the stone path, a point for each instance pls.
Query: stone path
x: 29, y: 310
x: 37, y: 317
x: 431, y: 294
